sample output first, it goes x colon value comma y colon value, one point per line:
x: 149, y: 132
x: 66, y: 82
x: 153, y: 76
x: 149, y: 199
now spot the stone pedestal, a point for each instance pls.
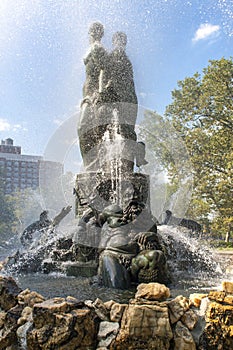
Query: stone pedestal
x: 99, y: 190
x: 77, y: 269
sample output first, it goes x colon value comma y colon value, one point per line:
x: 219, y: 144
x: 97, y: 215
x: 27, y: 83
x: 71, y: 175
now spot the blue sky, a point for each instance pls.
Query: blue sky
x: 43, y: 42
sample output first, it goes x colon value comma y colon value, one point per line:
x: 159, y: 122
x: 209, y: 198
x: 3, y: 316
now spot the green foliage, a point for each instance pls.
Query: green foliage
x: 7, y: 217
x: 202, y: 114
x: 168, y: 153
x: 220, y: 244
x: 27, y: 207
x: 22, y: 208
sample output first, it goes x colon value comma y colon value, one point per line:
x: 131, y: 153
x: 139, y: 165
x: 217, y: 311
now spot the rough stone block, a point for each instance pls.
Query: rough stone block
x: 2, y: 318
x: 9, y: 291
x: 44, y: 313
x: 152, y: 291
x: 196, y: 298
x: 77, y: 269
x: 177, y: 308
x: 30, y: 298
x: 216, y: 336
x: 217, y: 296
x: 221, y: 313
x: 107, y: 328
x: 61, y: 326
x: 189, y: 319
x: 109, y: 304
x: 26, y: 315
x: 227, y: 287
x: 183, y: 339
x: 144, y: 327
x: 116, y: 312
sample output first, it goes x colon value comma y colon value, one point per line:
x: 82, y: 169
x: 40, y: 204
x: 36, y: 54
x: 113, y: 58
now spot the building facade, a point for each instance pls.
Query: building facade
x: 19, y: 171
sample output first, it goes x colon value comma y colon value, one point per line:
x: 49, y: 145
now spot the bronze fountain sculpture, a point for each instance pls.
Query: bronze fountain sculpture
x: 112, y: 200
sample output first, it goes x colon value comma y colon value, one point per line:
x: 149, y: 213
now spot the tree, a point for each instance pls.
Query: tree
x: 202, y: 112
x: 27, y: 206
x: 168, y: 165
x: 7, y: 217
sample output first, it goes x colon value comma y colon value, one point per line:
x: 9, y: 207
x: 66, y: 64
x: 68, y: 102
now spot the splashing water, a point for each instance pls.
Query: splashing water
x: 188, y: 257
x: 30, y: 259
x: 113, y: 146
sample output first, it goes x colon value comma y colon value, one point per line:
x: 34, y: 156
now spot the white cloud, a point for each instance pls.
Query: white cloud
x: 4, y: 125
x: 17, y: 127
x: 206, y: 30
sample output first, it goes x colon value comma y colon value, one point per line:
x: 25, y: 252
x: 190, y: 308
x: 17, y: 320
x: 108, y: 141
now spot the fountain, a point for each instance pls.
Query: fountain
x: 119, y: 223
x: 117, y: 238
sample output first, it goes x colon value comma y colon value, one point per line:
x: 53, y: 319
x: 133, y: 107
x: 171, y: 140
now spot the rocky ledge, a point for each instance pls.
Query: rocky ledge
x: 152, y: 320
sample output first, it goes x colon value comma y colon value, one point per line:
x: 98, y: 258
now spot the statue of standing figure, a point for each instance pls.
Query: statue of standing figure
x: 117, y: 80
x: 109, y: 98
x: 95, y: 62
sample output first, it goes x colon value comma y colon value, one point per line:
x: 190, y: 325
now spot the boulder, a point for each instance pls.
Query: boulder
x: 183, y: 339
x: 109, y: 304
x: 99, y: 307
x: 177, y: 307
x: 2, y: 318
x: 227, y: 287
x: 9, y: 291
x: 196, y: 298
x: 101, y: 310
x: 8, y: 335
x: 189, y: 319
x: 107, y: 328
x: 26, y: 316
x: 8, y: 338
x: 144, y: 327
x: 221, y: 313
x: 204, y: 305
x: 29, y: 298
x: 22, y: 334
x: 45, y: 312
x: 13, y: 316
x: 116, y: 312
x: 152, y: 291
x: 217, y: 296
x: 105, y: 343
x: 221, y: 297
x: 218, y: 332
x: 64, y: 324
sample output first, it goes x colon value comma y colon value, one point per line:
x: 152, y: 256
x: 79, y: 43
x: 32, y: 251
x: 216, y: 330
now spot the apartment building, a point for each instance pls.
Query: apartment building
x: 20, y: 171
